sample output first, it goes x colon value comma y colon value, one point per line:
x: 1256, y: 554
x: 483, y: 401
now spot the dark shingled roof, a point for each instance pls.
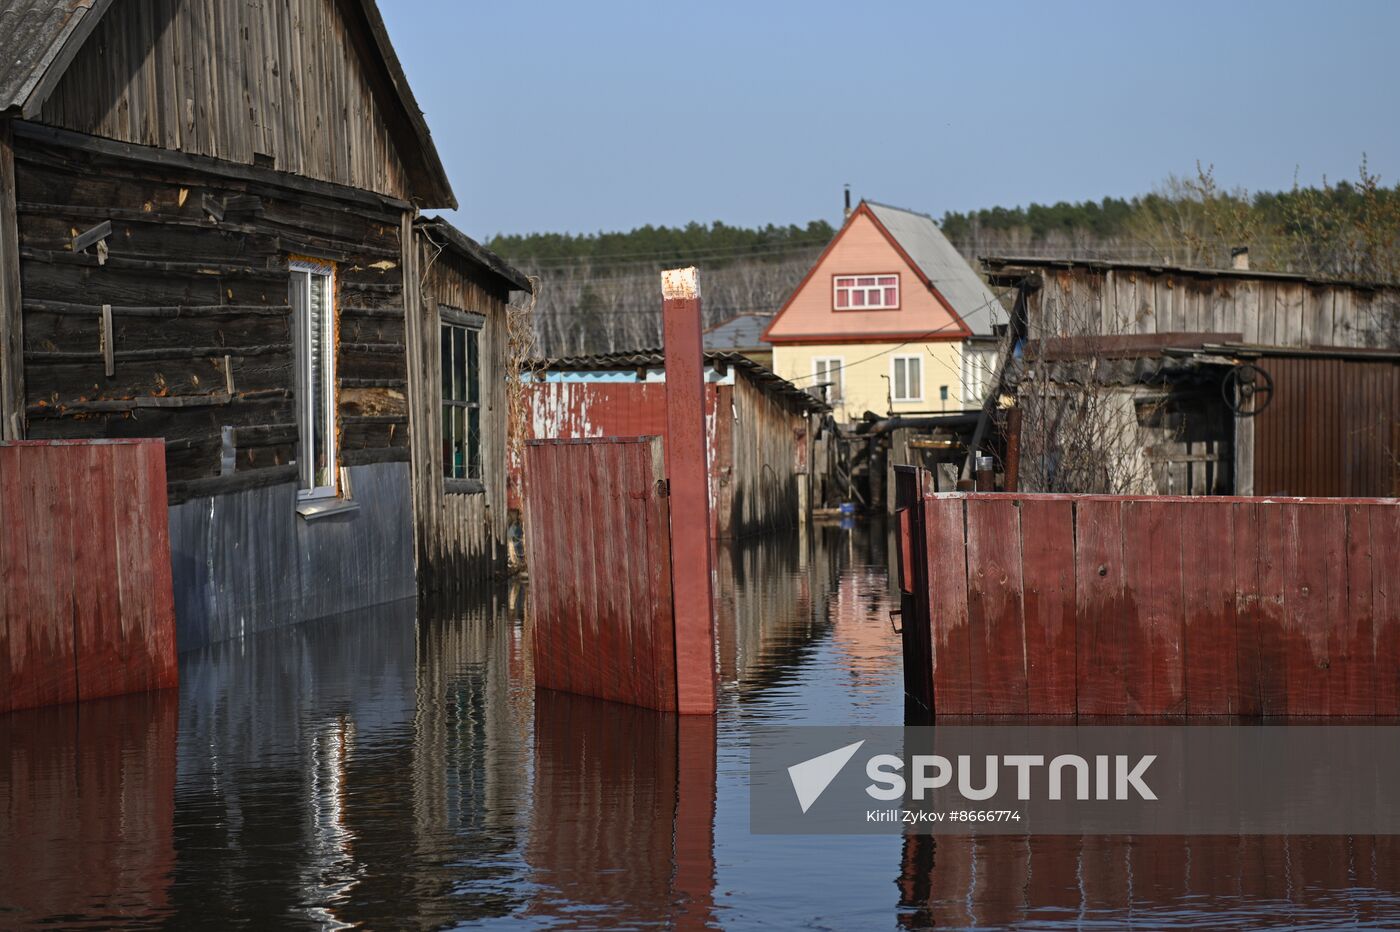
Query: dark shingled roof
x: 455, y: 239
x: 40, y: 38
x: 768, y: 380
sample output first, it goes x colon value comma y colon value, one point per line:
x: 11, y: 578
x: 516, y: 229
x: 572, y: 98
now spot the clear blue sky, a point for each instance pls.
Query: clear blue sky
x: 599, y: 115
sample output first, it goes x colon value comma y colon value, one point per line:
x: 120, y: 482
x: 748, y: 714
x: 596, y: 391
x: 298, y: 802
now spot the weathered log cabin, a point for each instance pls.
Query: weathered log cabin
x: 759, y: 427
x: 208, y: 234
x: 1139, y: 378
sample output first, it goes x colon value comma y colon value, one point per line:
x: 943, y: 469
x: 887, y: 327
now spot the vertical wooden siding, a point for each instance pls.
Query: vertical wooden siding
x: 600, y: 570
x: 231, y: 79
x: 1097, y: 605
x: 85, y: 588
x: 461, y: 535
x: 1333, y: 428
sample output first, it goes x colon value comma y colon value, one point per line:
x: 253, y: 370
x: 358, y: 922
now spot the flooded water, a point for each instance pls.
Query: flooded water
x: 398, y: 770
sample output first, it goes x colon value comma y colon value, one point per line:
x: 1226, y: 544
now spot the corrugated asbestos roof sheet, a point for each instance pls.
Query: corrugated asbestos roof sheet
x: 32, y: 34
x: 765, y: 378
x: 943, y: 265
x: 742, y: 331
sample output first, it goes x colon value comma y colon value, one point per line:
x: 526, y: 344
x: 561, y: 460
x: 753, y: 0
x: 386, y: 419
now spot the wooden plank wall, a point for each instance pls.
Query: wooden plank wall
x: 461, y: 535
x: 85, y: 587
x: 234, y: 79
x: 603, y: 623
x: 197, y: 301
x: 1100, y: 605
x: 768, y: 451
x: 1092, y: 301
x: 1333, y: 428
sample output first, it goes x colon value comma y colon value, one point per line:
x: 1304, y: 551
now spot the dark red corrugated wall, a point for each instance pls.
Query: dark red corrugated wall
x: 86, y: 608
x: 1102, y: 605
x: 1332, y: 428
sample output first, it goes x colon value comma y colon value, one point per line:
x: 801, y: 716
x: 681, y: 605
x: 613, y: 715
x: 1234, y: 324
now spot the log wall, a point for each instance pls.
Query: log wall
x: 195, y: 277
x: 1103, y: 605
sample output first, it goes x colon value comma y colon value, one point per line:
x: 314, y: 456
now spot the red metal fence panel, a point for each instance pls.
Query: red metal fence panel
x: 1104, y: 605
x: 85, y: 589
x: 600, y: 570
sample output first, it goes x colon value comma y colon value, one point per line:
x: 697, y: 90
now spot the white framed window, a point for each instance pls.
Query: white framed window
x: 865, y: 292
x: 827, y: 377
x: 906, y: 378
x: 311, y: 290
x: 979, y: 365
x: 461, y: 398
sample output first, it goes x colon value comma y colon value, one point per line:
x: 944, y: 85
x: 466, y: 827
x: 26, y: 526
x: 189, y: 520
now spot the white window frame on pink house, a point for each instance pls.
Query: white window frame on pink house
x: 879, y: 285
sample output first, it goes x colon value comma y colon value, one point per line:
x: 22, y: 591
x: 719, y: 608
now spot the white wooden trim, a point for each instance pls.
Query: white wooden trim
x: 882, y: 306
x: 911, y: 398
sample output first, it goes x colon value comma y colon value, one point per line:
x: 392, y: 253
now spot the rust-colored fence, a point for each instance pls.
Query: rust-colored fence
x: 85, y: 597
x: 1097, y: 605
x: 600, y: 570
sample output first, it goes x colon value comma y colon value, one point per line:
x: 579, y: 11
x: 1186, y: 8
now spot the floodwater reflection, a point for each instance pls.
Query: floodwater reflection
x: 397, y: 769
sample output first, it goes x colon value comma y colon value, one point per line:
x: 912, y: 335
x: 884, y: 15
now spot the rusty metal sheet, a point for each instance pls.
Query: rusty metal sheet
x: 1047, y: 536
x: 600, y: 571
x: 1153, y: 621
x: 994, y: 613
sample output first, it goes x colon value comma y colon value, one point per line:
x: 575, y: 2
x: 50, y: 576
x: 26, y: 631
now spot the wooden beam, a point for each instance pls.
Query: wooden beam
x: 11, y: 304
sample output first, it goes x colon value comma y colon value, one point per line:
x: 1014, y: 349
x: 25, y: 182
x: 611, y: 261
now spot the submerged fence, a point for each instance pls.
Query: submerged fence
x: 1099, y: 605
x: 85, y: 596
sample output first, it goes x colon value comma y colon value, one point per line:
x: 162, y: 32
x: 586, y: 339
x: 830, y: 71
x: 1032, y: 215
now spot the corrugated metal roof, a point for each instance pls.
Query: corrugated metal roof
x: 742, y: 331
x: 32, y: 34
x: 762, y: 376
x: 919, y: 236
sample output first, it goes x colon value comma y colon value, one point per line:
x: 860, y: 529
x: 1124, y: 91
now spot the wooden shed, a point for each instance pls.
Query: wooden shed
x: 760, y: 427
x: 207, y: 235
x: 1138, y: 378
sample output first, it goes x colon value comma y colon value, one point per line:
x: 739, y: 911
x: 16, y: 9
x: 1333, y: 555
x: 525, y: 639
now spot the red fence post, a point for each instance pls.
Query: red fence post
x: 686, y: 475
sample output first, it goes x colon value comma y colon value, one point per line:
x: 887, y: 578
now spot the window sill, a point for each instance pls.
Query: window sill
x: 312, y: 509
x: 463, y: 486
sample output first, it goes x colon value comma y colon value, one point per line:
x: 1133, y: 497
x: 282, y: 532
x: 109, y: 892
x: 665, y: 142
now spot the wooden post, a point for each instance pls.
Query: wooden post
x: 11, y: 311
x: 686, y: 476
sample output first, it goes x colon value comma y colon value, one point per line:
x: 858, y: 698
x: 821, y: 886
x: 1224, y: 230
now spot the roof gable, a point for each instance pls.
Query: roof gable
x: 865, y: 246
x: 264, y: 53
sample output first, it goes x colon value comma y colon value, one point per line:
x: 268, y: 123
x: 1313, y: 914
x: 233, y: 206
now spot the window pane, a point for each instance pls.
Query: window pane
x: 843, y: 298
x: 459, y: 442
x: 865, y: 281
x: 473, y: 443
x: 447, y: 441
x: 844, y: 282
x: 318, y: 336
x: 890, y: 299
x: 914, y: 378
x: 858, y: 298
x: 473, y: 370
x: 296, y: 293
x: 888, y: 280
x: 459, y: 360
x: 898, y: 387
x: 446, y: 364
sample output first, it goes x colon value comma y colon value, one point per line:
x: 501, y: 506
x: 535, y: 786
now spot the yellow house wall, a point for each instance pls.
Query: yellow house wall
x: 865, y: 368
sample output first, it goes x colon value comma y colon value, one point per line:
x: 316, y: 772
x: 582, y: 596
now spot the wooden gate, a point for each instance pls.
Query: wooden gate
x: 1113, y: 605
x: 600, y: 569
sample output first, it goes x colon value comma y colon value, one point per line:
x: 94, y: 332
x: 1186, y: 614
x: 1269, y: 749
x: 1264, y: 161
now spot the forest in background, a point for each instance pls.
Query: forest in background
x: 601, y: 292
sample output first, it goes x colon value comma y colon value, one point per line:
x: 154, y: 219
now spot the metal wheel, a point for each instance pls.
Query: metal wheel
x: 1248, y: 390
